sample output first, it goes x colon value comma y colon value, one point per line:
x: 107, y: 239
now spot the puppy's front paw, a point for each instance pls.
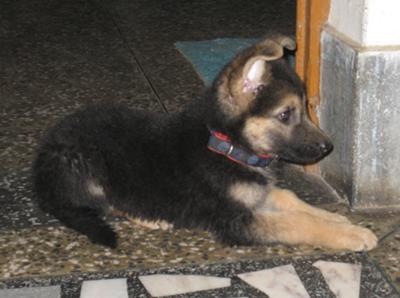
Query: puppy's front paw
x: 369, y: 238
x: 358, y: 239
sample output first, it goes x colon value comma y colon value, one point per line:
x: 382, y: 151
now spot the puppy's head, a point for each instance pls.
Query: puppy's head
x: 262, y: 105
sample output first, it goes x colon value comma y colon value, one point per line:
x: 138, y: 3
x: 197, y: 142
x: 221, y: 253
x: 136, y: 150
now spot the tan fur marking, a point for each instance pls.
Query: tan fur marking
x: 250, y: 194
x: 153, y: 225
x: 95, y: 189
x: 255, y: 131
x: 149, y: 224
x: 291, y: 100
x: 295, y: 227
x: 286, y: 200
x: 117, y: 212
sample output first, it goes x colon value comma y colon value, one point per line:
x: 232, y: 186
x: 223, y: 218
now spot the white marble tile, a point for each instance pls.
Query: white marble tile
x: 278, y: 282
x: 159, y: 285
x: 343, y: 279
x: 105, y: 288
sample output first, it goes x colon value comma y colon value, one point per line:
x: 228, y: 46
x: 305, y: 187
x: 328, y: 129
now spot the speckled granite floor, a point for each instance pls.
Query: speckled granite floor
x: 56, y: 56
x: 373, y: 282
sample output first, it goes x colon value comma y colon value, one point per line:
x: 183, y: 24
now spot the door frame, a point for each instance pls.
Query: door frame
x: 310, y: 17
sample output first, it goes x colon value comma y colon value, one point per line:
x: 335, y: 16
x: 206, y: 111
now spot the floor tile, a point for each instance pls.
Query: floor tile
x: 373, y: 282
x: 277, y: 282
x: 387, y: 256
x: 51, y: 53
x: 152, y: 34
x: 40, y: 292
x: 159, y: 285
x: 105, y: 288
x: 343, y: 279
x: 53, y: 60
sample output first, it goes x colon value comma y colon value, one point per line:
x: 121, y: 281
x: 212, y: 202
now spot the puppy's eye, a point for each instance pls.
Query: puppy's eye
x: 284, y: 116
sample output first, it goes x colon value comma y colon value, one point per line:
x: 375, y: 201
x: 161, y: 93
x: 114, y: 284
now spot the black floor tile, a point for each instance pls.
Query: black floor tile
x: 54, y: 57
x: 152, y: 27
x: 373, y: 282
x: 64, y: 51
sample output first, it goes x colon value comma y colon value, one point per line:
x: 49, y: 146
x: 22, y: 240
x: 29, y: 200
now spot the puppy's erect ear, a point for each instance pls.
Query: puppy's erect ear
x: 249, y: 72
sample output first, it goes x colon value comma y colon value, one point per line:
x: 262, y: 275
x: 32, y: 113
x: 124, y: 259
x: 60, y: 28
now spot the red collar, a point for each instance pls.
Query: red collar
x: 221, y: 144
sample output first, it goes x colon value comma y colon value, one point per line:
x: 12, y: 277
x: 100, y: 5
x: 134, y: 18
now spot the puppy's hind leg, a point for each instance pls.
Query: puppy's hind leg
x: 67, y: 193
x: 88, y: 222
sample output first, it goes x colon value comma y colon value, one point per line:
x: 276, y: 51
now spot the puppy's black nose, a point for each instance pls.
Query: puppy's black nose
x: 325, y: 147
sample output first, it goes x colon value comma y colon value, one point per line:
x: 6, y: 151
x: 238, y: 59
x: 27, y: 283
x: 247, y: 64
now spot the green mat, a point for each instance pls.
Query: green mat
x: 209, y: 56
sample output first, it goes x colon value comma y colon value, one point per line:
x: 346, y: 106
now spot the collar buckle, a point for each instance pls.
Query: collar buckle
x: 230, y: 150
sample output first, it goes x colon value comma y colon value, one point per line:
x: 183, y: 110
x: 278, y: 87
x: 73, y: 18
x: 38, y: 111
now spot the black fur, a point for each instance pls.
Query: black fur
x: 150, y: 165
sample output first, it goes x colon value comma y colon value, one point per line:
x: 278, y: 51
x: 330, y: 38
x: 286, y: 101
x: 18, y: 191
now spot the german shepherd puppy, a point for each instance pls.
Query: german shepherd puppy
x: 205, y: 167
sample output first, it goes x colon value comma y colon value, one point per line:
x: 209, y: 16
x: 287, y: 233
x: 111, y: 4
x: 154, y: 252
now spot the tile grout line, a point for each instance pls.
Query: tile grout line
x: 382, y: 270
x: 394, y: 229
x: 133, y: 54
x: 385, y: 274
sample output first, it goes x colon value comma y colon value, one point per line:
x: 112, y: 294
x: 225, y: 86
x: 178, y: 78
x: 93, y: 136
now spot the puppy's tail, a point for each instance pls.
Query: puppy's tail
x: 60, y: 184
